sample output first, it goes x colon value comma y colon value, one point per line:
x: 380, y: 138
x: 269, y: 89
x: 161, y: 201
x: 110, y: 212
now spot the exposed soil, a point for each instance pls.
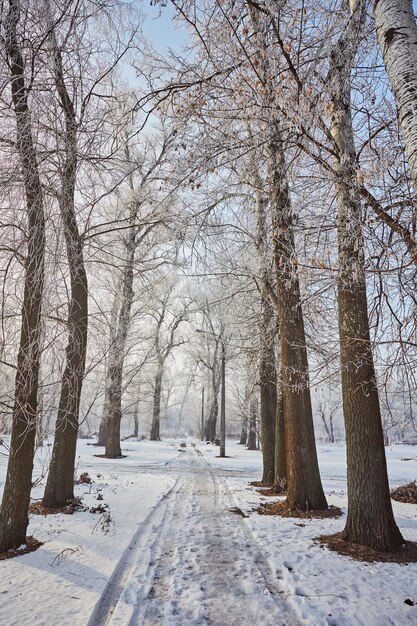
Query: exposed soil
x: 407, y: 554
x: 31, y: 545
x: 283, y: 510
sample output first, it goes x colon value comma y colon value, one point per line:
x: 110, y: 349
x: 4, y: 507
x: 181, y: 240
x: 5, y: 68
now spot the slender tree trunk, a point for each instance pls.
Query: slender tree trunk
x: 253, y: 412
x: 102, y: 432
x: 267, y: 334
x: 136, y: 418
x: 115, y: 375
x: 16, y: 497
x: 397, y: 36
x: 305, y: 490
x: 60, y: 483
x: 280, y: 476
x: 268, y: 388
x: 113, y: 407
x: 244, y: 431
x: 370, y: 520
x: 156, y: 411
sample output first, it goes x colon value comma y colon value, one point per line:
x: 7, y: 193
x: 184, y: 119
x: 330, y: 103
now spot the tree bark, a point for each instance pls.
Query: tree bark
x: 60, y: 483
x: 16, y: 497
x: 397, y: 36
x: 370, y: 520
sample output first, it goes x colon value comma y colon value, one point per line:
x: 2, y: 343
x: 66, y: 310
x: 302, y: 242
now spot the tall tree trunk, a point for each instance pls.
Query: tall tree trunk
x: 280, y: 476
x: 115, y: 375
x: 136, y: 416
x: 267, y: 335
x: 102, y: 431
x: 156, y: 411
x: 268, y: 388
x: 253, y: 413
x: 16, y: 497
x: 60, y: 483
x: 305, y: 490
x: 370, y: 520
x: 113, y: 406
x: 397, y: 36
x: 244, y: 431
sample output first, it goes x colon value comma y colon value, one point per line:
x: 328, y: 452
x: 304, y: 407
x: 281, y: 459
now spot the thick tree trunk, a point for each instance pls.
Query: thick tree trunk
x: 370, y: 520
x: 156, y: 411
x: 60, y: 484
x: 16, y: 497
x: 305, y: 490
x: 397, y: 36
x: 253, y: 414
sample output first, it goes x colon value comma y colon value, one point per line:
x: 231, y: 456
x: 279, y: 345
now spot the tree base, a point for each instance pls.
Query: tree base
x: 282, y: 509
x: 406, y: 554
x: 31, y: 545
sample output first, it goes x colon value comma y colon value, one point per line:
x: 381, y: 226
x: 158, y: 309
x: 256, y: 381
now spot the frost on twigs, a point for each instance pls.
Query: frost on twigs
x: 31, y: 545
x: 282, y: 509
x: 406, y: 554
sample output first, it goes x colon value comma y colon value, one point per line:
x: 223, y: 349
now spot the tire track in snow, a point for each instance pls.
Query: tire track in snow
x: 203, y: 566
x: 145, y: 534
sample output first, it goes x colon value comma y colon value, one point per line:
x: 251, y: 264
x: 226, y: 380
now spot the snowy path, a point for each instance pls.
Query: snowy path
x: 193, y: 562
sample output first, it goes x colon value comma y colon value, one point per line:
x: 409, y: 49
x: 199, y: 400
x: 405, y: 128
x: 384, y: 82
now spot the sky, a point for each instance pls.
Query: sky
x: 160, y: 28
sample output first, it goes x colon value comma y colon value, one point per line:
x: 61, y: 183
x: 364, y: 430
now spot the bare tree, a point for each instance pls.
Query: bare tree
x: 16, y: 496
x: 370, y: 518
x: 166, y: 339
x: 60, y: 483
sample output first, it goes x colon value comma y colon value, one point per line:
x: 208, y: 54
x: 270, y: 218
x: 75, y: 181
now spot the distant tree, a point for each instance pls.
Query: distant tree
x: 166, y: 338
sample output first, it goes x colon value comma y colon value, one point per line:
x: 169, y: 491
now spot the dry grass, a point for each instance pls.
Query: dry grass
x: 282, y: 509
x: 407, y: 554
x: 271, y: 492
x: 37, y: 508
x: 259, y: 483
x: 405, y: 493
x: 32, y: 544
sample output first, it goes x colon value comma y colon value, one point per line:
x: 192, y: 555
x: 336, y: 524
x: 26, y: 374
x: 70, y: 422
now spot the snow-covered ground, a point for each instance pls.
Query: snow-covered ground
x: 173, y: 554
